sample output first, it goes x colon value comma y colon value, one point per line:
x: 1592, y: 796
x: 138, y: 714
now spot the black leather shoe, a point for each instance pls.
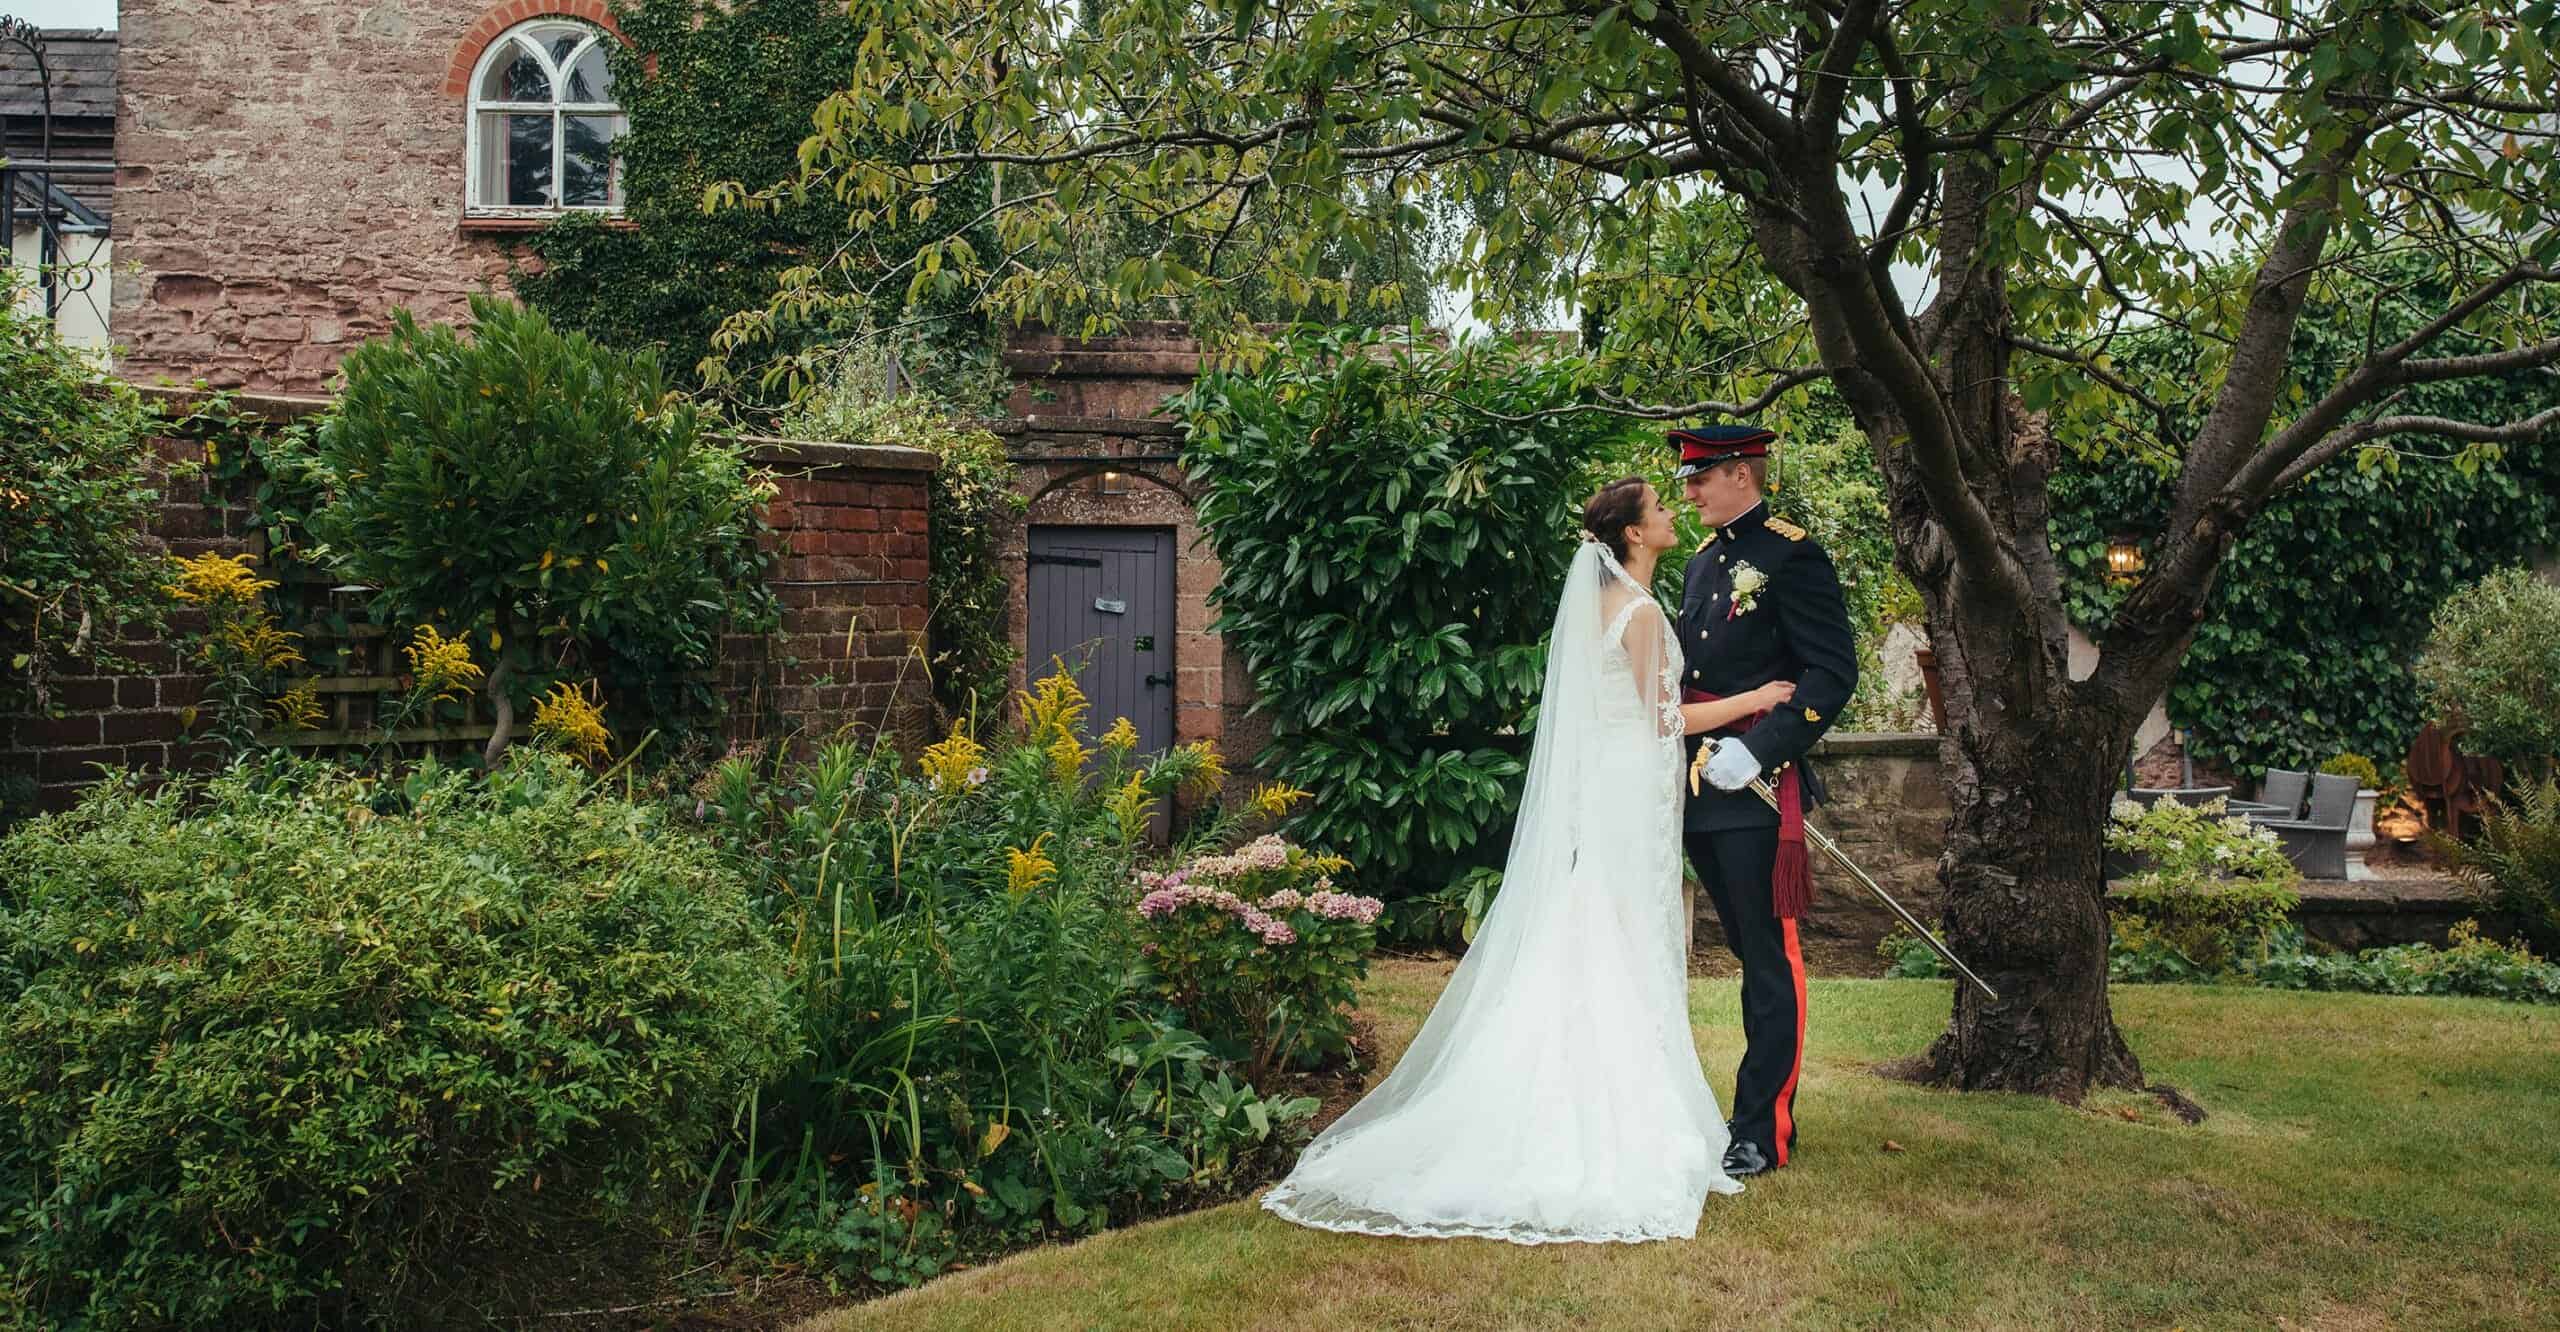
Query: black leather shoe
x: 1744, y: 1159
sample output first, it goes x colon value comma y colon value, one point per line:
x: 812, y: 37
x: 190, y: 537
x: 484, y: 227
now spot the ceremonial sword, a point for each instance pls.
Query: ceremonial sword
x: 1839, y: 857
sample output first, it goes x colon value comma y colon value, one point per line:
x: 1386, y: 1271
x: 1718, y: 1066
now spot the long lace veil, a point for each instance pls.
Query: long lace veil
x: 1583, y: 722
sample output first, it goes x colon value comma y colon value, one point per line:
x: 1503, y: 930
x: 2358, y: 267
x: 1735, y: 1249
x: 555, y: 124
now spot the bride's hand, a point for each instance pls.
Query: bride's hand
x: 1770, y: 695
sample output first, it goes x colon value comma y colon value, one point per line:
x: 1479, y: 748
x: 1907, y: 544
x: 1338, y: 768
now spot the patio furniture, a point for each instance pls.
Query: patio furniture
x: 2279, y: 796
x: 2317, y: 842
x: 2445, y: 779
x: 2146, y: 796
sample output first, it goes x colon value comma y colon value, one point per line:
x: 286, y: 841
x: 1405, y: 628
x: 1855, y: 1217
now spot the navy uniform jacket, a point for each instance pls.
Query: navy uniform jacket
x: 1797, y: 629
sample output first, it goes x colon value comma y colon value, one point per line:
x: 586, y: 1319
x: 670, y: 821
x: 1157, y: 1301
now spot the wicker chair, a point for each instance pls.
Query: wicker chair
x: 2317, y: 842
x: 2279, y: 796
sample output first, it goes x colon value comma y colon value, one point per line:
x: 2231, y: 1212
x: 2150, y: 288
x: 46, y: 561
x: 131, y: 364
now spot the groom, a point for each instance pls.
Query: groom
x: 1762, y: 603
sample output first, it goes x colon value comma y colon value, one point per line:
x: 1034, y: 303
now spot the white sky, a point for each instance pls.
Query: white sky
x: 63, y: 13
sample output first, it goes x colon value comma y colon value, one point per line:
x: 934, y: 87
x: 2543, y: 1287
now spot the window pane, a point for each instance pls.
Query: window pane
x: 594, y: 178
x: 515, y: 76
x: 515, y: 160
x: 590, y: 80
x: 559, y: 41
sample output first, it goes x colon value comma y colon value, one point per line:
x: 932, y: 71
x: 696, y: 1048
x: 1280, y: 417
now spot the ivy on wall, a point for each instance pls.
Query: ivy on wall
x: 720, y: 92
x: 2307, y: 641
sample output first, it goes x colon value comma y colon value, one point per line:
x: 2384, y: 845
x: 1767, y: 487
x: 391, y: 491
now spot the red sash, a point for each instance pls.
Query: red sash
x: 1791, y: 880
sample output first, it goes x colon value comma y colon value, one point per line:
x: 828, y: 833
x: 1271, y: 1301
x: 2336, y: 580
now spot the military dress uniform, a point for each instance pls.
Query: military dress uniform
x: 1738, y: 632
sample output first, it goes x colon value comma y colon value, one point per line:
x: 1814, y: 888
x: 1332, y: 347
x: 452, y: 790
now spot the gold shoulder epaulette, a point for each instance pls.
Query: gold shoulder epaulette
x: 1786, y: 529
x: 1711, y: 540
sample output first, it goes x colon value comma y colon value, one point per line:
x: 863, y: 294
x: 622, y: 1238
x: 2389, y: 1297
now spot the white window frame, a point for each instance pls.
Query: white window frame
x: 474, y: 111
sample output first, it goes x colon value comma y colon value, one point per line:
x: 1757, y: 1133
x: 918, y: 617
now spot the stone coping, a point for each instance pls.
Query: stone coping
x: 1038, y: 423
x: 283, y: 408
x: 1877, y: 744
x: 811, y: 453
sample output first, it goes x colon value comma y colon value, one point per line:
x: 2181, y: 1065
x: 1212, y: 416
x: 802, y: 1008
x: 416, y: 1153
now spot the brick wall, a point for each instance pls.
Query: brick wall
x: 850, y: 526
x: 292, y: 170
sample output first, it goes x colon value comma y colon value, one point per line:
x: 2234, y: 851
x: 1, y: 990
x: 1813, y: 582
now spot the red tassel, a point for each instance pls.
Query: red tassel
x: 1791, y: 878
x: 1791, y: 887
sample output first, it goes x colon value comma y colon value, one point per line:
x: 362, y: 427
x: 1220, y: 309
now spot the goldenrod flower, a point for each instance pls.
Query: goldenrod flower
x: 442, y: 666
x: 948, y: 763
x: 1054, y: 706
x: 1028, y: 869
x: 248, y: 635
x: 1066, y: 757
x: 1211, y: 773
x: 1273, y: 799
x: 217, y: 580
x: 572, y: 723
x: 1132, y: 806
x: 1121, y: 738
x: 298, y: 707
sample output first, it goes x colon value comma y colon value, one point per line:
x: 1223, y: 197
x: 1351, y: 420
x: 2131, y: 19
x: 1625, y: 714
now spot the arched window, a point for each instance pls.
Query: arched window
x: 544, y: 122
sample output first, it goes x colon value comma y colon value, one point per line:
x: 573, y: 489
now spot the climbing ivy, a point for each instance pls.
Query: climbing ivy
x: 722, y: 92
x: 2308, y: 639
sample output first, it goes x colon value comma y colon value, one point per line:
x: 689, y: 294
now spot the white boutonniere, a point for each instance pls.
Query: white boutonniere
x: 1747, y: 582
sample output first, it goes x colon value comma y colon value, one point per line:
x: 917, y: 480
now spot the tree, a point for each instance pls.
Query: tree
x: 2045, y: 176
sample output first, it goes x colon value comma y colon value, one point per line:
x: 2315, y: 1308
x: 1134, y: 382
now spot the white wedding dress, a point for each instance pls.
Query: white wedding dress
x: 1553, y: 1095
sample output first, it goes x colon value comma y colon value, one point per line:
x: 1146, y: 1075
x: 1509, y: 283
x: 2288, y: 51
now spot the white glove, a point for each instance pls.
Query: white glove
x: 1731, y: 767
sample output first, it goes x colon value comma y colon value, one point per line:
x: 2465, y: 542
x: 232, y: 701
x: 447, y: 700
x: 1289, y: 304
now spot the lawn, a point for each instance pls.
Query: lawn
x: 2369, y: 1162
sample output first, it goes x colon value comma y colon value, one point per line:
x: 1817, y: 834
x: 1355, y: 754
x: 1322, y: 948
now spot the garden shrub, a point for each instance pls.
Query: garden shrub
x: 1257, y: 944
x: 76, y: 500
x: 1392, y: 520
x: 970, y: 503
x: 294, y: 1046
x: 2213, y: 885
x: 2514, y: 860
x: 984, y: 1064
x: 543, y: 498
x: 2492, y: 662
x: 2469, y: 965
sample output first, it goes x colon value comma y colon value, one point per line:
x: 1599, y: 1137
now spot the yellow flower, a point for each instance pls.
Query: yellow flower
x: 1055, y: 705
x: 217, y: 580
x: 1132, y: 806
x: 298, y: 707
x: 1026, y: 870
x: 949, y: 763
x: 1121, y: 738
x: 572, y: 723
x: 442, y: 665
x: 1210, y: 775
x: 1066, y: 757
x: 1273, y: 799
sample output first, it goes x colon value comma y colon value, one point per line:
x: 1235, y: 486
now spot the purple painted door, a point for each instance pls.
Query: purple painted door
x: 1101, y: 598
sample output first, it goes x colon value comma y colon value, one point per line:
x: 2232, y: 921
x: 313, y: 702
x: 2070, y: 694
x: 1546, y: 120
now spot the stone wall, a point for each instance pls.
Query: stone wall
x: 1888, y: 810
x: 291, y: 170
x: 849, y: 524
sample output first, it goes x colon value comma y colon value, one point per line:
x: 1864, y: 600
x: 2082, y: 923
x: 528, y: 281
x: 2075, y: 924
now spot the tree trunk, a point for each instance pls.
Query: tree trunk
x: 2025, y: 898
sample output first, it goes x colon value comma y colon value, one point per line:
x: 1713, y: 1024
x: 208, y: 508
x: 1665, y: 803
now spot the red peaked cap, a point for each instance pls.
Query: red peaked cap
x: 1702, y: 447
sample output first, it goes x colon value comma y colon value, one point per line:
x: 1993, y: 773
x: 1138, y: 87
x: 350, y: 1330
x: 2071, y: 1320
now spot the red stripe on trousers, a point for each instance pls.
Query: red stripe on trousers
x: 1787, y: 1093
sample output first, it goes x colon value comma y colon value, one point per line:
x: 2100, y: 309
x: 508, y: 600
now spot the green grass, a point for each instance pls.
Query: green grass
x: 2369, y: 1162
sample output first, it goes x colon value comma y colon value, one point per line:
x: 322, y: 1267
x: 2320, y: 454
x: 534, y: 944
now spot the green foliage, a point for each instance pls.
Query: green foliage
x: 2321, y: 605
x: 76, y: 500
x: 726, y: 92
x: 2208, y: 880
x: 971, y: 504
x: 295, y: 1046
x: 1911, y: 957
x: 2493, y: 662
x: 2367, y: 776
x: 2515, y: 859
x: 984, y: 1065
x: 541, y: 496
x: 1392, y: 521
x: 1256, y: 947
x: 2469, y: 964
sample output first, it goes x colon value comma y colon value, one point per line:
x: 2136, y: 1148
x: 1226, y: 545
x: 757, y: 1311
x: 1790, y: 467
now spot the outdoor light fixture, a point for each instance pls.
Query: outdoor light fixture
x: 1111, y: 484
x: 2124, y: 559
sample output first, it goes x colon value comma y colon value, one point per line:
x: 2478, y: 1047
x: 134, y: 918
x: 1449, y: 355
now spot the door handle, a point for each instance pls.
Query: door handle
x: 1154, y: 680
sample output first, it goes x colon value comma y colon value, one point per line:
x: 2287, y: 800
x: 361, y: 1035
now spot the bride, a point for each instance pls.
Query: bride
x: 1553, y: 1095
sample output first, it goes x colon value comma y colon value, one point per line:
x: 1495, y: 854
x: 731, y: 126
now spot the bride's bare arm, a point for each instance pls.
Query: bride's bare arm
x: 1696, y: 717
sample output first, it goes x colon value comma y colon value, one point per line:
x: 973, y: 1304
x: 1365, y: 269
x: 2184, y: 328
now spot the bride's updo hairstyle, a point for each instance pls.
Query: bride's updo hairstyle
x: 1611, y: 510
